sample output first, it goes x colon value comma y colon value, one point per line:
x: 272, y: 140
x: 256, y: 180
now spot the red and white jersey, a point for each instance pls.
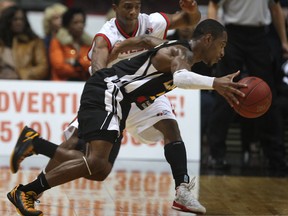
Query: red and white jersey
x: 155, y: 24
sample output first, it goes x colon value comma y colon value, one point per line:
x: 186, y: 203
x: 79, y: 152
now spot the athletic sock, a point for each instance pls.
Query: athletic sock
x: 175, y: 154
x: 38, y: 185
x: 44, y: 147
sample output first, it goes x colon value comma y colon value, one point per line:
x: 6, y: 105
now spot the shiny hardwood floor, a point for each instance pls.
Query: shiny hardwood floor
x: 142, y: 188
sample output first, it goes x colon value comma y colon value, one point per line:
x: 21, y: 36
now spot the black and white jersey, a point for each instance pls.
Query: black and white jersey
x: 140, y: 81
x: 133, y: 80
x: 108, y: 94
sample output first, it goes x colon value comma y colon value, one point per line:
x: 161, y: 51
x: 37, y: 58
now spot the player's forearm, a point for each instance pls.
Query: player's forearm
x: 212, y: 10
x: 187, y: 17
x: 189, y: 80
x: 99, y: 60
x: 146, y: 42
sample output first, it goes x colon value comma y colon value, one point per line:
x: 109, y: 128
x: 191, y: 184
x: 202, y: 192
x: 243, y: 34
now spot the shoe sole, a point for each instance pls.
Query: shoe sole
x: 182, y: 208
x: 12, y: 201
x: 16, y: 149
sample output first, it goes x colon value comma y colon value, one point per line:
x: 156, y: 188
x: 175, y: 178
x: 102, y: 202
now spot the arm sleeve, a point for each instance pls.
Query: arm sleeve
x: 189, y: 80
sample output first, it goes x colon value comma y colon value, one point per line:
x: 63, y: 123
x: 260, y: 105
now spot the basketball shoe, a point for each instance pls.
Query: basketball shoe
x: 24, y: 148
x: 24, y: 202
x: 185, y: 201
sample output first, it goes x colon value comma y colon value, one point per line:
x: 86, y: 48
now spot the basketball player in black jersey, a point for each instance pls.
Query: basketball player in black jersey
x: 107, y: 97
x: 129, y: 23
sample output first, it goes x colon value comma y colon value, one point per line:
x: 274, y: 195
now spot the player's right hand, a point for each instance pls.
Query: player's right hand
x: 189, y: 6
x: 226, y: 87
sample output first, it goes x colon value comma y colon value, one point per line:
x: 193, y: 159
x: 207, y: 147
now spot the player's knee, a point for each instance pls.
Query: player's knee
x: 101, y: 176
x: 96, y: 165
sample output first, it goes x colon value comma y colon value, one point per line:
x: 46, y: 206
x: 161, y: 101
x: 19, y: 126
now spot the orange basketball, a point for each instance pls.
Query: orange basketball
x: 257, y: 100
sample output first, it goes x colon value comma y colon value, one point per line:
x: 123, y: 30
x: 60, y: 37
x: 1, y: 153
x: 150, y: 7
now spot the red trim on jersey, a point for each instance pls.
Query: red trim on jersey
x: 105, y: 38
x: 124, y: 33
x: 168, y: 24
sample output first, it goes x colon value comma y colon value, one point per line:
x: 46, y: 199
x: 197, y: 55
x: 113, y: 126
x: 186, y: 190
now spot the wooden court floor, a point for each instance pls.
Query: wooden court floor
x: 142, y: 188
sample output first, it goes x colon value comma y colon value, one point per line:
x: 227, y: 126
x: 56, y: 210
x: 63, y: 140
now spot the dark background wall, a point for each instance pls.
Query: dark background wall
x: 101, y: 7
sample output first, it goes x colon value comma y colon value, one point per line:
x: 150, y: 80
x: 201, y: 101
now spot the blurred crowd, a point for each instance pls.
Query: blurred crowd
x: 257, y: 46
x: 61, y: 55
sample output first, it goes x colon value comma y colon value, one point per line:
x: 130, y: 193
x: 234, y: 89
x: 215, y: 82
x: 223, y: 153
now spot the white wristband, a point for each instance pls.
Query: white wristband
x: 189, y: 80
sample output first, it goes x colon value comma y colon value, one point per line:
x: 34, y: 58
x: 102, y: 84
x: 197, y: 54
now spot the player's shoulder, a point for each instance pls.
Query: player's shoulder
x: 109, y: 28
x: 152, y: 16
x: 109, y: 24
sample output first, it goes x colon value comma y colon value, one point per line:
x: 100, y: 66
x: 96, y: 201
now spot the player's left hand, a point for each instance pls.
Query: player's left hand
x: 189, y: 6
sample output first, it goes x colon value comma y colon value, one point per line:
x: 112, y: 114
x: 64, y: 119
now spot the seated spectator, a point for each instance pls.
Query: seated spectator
x: 69, y: 48
x: 52, y: 21
x: 22, y: 52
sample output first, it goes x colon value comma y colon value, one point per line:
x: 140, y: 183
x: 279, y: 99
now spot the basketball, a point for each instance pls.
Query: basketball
x: 257, y: 98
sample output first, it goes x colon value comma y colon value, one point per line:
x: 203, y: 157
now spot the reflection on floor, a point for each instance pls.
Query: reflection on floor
x: 133, y: 188
x: 142, y: 188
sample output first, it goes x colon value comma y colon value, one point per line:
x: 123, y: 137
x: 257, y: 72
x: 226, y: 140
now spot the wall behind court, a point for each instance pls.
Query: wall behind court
x: 49, y: 107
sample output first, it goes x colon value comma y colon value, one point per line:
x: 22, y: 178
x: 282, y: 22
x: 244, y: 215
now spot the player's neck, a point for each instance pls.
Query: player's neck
x: 127, y: 27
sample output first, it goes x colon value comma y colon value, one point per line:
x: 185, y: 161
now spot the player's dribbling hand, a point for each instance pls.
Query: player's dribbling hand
x: 228, y: 89
x: 189, y: 6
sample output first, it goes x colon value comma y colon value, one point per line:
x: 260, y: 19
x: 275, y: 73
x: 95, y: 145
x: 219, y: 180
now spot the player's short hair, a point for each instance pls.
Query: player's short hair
x: 208, y: 26
x: 116, y: 2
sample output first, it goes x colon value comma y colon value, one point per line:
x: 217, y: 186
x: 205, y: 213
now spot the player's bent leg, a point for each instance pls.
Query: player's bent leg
x: 73, y: 143
x: 170, y: 130
x: 174, y: 150
x: 26, y: 143
x: 101, y: 176
x: 94, y: 161
x: 175, y: 154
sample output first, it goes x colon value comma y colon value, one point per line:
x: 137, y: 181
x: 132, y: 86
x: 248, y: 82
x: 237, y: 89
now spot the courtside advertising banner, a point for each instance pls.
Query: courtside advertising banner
x: 48, y: 107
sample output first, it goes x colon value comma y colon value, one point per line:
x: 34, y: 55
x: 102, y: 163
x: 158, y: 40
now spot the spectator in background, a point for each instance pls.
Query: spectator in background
x: 69, y: 48
x: 110, y: 14
x: 22, y: 52
x: 52, y: 21
x: 5, y: 4
x: 247, y: 24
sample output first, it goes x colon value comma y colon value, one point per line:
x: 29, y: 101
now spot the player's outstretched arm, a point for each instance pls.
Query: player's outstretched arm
x: 145, y: 41
x: 224, y: 85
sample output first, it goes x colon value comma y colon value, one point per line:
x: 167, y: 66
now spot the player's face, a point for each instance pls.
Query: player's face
x: 128, y: 10
x: 216, y: 50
